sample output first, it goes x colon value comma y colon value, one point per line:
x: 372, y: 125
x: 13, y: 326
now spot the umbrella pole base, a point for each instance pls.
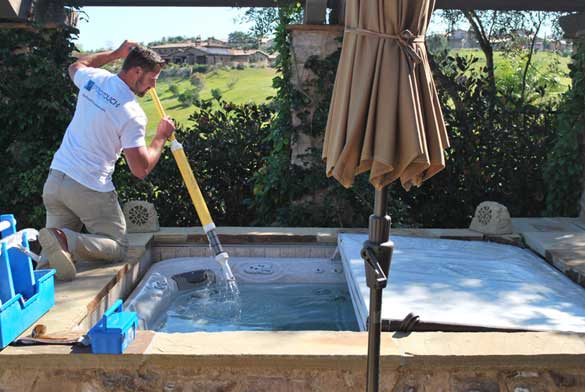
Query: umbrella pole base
x: 377, y: 254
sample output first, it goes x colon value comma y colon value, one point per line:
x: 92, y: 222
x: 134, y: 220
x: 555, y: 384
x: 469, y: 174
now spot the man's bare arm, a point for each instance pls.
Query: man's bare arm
x: 96, y: 60
x: 142, y: 160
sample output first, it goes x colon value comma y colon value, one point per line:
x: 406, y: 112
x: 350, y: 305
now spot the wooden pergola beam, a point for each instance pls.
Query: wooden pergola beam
x: 519, y: 5
x: 183, y: 3
x: 514, y: 5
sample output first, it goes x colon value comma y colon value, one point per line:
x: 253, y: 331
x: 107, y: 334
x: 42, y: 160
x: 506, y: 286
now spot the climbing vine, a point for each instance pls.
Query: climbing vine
x: 272, y: 181
x: 564, y: 169
x: 300, y: 194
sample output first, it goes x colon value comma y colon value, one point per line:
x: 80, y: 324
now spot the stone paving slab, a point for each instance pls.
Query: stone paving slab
x: 569, y: 261
x: 540, y: 242
x: 542, y: 225
x: 73, y: 298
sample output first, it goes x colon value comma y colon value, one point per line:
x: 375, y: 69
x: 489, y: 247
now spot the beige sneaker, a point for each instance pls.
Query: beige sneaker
x: 54, y: 245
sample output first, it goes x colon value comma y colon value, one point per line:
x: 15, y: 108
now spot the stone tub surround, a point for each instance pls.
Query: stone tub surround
x: 294, y: 361
x: 308, y: 361
x: 560, y: 241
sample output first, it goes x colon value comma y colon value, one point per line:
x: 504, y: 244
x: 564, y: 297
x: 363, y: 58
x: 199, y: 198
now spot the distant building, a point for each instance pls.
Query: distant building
x: 465, y: 39
x: 560, y: 45
x: 209, y: 52
x: 462, y: 39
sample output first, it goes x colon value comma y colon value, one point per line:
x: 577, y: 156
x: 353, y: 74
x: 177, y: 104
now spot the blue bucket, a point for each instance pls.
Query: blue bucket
x: 114, y: 332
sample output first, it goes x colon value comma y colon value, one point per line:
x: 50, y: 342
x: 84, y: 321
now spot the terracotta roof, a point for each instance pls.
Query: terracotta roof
x: 210, y: 50
x: 174, y: 45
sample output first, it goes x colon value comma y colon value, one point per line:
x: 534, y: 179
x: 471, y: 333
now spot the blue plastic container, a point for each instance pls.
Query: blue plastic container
x: 114, y: 332
x: 25, y: 294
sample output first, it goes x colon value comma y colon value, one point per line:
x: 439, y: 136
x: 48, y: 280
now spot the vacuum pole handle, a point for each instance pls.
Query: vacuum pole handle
x: 159, y: 108
x: 186, y: 173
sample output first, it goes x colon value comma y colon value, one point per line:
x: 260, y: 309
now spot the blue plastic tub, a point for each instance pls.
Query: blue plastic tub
x: 114, y: 332
x: 25, y: 295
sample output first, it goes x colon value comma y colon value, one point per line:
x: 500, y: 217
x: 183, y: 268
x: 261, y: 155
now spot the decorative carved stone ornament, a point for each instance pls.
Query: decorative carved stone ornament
x: 141, y: 217
x: 491, y: 218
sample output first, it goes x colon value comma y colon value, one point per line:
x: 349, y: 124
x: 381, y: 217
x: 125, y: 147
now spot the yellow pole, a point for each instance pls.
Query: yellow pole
x: 185, y: 169
x: 196, y: 197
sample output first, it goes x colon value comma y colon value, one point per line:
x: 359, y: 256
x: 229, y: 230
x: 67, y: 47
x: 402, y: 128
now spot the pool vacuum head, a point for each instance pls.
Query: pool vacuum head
x: 194, y: 279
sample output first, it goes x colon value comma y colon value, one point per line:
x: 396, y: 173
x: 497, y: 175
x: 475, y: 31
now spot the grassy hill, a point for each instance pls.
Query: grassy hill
x: 239, y: 86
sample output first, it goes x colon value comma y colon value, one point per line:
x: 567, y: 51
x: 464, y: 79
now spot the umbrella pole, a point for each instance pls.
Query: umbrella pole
x: 377, y: 253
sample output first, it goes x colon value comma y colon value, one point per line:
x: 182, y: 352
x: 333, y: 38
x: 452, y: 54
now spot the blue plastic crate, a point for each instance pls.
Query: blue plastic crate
x: 114, y: 332
x: 25, y: 295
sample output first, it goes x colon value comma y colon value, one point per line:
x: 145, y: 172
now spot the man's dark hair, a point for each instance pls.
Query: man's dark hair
x: 142, y: 57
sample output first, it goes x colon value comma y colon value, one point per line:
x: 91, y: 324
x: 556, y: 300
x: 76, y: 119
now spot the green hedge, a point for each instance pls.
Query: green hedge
x: 499, y: 147
x: 37, y: 101
x: 225, y: 144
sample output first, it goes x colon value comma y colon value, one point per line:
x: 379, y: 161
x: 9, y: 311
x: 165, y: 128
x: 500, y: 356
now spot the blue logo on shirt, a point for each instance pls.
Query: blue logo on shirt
x: 101, y: 93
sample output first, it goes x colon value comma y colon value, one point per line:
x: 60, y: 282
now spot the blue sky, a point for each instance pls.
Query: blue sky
x: 107, y: 27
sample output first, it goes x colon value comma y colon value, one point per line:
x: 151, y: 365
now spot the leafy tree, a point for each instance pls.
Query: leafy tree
x: 174, y: 39
x: 216, y: 93
x: 565, y: 166
x: 266, y: 20
x: 494, y: 27
x: 173, y: 89
x: 196, y: 81
x: 232, y: 83
x: 242, y: 40
x: 189, y: 97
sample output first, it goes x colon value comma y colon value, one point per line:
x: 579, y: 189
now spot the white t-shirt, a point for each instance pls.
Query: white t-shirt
x: 107, y: 120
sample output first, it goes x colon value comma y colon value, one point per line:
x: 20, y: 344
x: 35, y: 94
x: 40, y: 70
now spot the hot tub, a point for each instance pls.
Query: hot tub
x: 275, y: 294
x: 451, y: 285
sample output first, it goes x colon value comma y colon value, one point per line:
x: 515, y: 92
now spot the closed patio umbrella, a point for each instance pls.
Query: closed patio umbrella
x: 384, y: 118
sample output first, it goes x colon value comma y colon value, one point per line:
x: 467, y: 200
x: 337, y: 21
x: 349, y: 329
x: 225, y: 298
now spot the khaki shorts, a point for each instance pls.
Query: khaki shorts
x: 70, y: 206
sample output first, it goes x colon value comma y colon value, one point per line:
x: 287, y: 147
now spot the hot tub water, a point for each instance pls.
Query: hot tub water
x: 192, y: 294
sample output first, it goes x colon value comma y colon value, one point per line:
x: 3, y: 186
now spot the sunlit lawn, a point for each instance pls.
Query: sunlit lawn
x: 247, y: 85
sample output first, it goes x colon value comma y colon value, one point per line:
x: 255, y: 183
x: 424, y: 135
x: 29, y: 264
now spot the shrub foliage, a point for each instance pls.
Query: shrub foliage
x: 37, y: 101
x: 224, y: 144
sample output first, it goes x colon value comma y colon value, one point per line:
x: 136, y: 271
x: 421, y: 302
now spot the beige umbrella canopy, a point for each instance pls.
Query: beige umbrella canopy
x: 385, y: 115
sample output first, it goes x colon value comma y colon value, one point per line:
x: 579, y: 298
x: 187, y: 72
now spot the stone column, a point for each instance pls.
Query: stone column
x: 574, y: 29
x: 307, y: 41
